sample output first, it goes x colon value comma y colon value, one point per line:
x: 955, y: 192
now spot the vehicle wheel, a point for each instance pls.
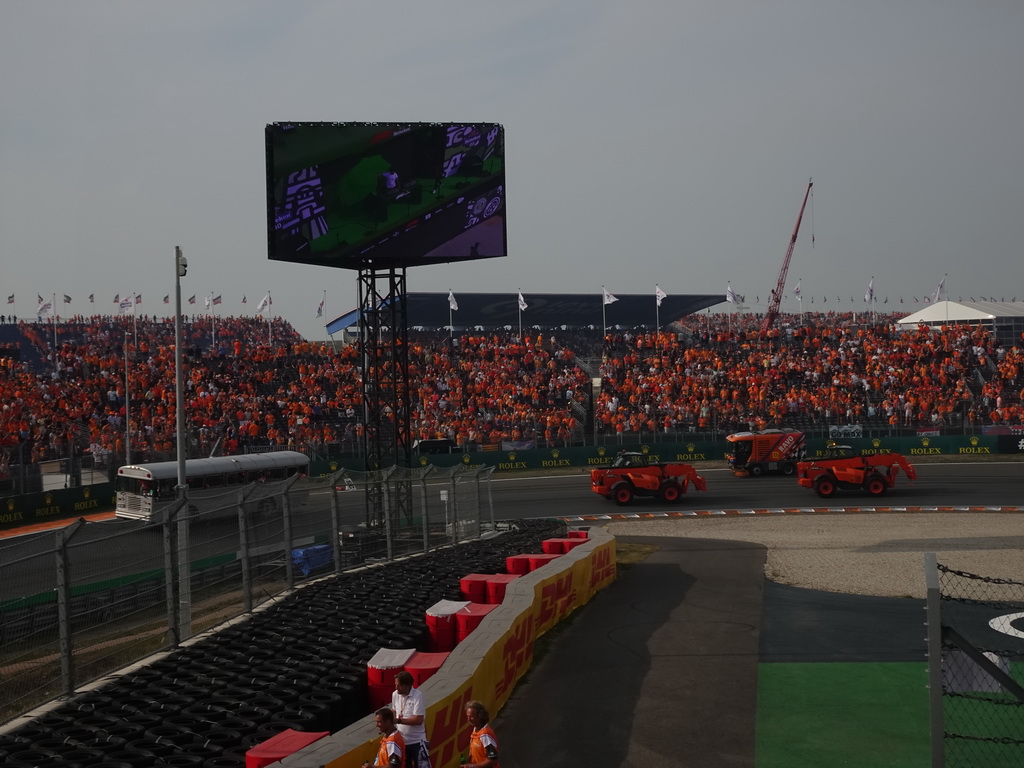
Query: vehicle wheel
x: 623, y: 494
x: 788, y: 468
x: 756, y: 470
x: 876, y: 485
x: 670, y: 492
x: 825, y: 486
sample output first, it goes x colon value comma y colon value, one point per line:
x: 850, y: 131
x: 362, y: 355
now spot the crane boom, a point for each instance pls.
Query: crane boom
x: 780, y: 287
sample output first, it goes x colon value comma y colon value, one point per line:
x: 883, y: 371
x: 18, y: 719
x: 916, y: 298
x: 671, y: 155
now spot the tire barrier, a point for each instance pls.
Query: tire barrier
x: 297, y: 665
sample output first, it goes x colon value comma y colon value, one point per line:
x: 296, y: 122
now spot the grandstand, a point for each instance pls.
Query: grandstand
x: 711, y: 375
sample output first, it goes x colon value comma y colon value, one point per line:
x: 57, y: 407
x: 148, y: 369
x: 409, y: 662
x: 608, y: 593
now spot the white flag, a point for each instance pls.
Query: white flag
x: 452, y: 303
x: 659, y: 294
x: 206, y: 301
x: 45, y: 309
x: 522, y: 302
x: 730, y: 294
x: 796, y: 290
x: 127, y: 305
x: 608, y: 298
x: 264, y: 303
x: 940, y: 289
x: 869, y: 294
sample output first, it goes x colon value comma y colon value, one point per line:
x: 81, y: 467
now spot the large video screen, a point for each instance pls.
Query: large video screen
x: 351, y: 195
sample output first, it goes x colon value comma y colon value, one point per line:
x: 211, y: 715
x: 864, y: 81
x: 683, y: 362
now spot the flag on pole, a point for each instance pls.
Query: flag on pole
x: 522, y: 302
x: 940, y: 289
x: 320, y: 308
x: 206, y: 302
x: 92, y: 298
x: 10, y: 299
x: 608, y: 298
x: 192, y: 299
x: 67, y: 299
x: 452, y: 303
x: 264, y: 303
x: 138, y: 298
x: 796, y: 289
x: 869, y: 294
x: 217, y: 299
x: 659, y: 295
x: 243, y: 298
x: 730, y: 294
x: 117, y: 298
x: 45, y: 308
x: 127, y: 305
x: 40, y: 298
x: 167, y: 298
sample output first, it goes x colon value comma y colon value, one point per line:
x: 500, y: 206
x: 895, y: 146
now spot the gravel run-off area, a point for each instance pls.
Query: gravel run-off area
x: 865, y: 554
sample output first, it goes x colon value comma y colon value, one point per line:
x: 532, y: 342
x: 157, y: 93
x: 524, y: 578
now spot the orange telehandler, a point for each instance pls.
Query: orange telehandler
x: 633, y: 474
x: 842, y: 469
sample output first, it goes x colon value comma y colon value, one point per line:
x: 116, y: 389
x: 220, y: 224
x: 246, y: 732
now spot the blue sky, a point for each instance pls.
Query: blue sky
x: 647, y: 142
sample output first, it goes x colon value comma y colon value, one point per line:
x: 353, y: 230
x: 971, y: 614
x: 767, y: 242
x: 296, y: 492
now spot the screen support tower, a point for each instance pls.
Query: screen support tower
x: 384, y: 366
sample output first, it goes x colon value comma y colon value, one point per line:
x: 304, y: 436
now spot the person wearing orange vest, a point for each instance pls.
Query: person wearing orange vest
x: 483, y: 744
x: 391, y: 752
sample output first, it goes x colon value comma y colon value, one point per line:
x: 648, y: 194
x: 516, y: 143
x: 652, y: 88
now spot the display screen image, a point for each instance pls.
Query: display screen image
x: 350, y: 195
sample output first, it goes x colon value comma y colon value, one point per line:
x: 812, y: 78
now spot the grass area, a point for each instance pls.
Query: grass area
x: 862, y: 714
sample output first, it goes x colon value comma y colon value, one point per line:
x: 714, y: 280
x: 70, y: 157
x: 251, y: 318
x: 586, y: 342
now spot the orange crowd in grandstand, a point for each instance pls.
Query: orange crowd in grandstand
x: 70, y: 386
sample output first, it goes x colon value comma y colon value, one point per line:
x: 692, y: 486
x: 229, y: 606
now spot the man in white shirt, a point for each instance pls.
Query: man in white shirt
x: 410, y: 717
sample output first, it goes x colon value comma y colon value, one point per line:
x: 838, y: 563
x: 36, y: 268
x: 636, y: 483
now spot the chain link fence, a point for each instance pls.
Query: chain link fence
x: 976, y: 668
x: 91, y: 598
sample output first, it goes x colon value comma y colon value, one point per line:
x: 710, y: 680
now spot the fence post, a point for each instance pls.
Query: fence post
x: 243, y: 547
x: 454, y: 507
x: 176, y: 559
x: 67, y: 650
x: 388, y: 529
x: 286, y: 508
x: 426, y: 507
x: 488, y: 472
x: 336, y: 519
x: 936, y: 716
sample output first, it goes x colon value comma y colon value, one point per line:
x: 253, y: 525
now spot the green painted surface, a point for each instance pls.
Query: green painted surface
x: 863, y: 715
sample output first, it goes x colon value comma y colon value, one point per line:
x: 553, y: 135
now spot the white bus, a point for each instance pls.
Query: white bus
x: 213, y: 484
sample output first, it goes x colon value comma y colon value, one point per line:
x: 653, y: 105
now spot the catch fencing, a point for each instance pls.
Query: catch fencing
x: 976, y: 668
x: 81, y: 602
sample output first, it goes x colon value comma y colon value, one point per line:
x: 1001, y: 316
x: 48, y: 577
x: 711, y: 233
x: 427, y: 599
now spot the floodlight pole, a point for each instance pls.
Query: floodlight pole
x: 181, y: 490
x: 127, y: 408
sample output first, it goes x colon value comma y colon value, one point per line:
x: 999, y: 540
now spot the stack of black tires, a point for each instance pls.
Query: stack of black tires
x: 299, y: 664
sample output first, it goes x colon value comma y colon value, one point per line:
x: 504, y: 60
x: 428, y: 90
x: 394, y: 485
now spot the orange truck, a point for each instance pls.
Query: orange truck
x: 633, y: 474
x: 842, y: 469
x: 771, y: 450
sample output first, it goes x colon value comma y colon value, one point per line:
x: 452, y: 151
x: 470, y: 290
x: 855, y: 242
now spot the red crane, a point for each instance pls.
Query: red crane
x: 776, y: 298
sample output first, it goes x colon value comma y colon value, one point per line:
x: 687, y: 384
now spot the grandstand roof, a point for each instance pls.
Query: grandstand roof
x: 964, y: 312
x: 546, y: 310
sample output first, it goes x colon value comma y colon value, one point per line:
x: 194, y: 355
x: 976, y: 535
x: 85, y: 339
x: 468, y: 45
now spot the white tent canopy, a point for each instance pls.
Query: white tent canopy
x: 964, y: 312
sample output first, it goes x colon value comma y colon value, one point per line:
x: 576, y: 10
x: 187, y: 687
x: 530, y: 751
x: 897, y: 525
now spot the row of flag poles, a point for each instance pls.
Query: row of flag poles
x: 127, y: 303
x: 607, y: 298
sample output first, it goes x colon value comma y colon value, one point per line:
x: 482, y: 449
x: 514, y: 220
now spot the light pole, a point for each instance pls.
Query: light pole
x: 127, y: 408
x: 180, y: 269
x: 181, y: 491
